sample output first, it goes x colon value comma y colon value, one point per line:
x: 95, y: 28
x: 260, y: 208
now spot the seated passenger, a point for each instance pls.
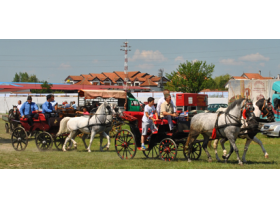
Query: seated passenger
x: 74, y: 105
x: 147, y: 120
x: 47, y: 108
x: 84, y: 112
x: 167, y: 111
x: 162, y: 99
x: 26, y: 110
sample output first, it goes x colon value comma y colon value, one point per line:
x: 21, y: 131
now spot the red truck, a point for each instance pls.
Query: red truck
x: 191, y: 101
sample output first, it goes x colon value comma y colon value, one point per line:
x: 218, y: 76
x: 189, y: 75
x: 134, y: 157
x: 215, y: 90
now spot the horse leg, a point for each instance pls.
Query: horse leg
x: 74, y: 143
x: 204, y: 146
x: 192, y: 137
x: 231, y: 139
x: 259, y: 142
x: 101, y: 141
x: 222, y: 142
x: 248, y: 141
x: 93, y: 132
x: 69, y: 137
x: 108, y: 139
x: 84, y: 140
x: 215, y: 144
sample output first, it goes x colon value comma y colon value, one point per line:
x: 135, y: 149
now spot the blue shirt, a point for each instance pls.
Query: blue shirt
x: 47, y: 107
x: 25, y: 108
x: 74, y: 106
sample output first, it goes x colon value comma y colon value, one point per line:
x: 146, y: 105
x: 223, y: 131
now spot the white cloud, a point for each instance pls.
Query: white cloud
x: 179, y: 58
x: 148, y: 56
x: 195, y: 60
x: 95, y: 61
x: 64, y: 66
x: 231, y: 62
x: 254, y: 58
x: 262, y: 64
x: 145, y: 66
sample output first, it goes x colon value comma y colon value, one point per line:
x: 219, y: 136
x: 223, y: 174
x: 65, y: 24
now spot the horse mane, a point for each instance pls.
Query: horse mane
x: 231, y: 107
x: 101, y: 108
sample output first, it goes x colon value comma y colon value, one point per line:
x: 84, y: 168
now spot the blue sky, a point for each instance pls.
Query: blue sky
x: 54, y: 60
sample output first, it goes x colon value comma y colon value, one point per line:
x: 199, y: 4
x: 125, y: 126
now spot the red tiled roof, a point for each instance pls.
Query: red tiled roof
x: 141, y: 75
x: 83, y: 82
x: 149, y: 83
x: 156, y: 79
x: 130, y: 74
x: 101, y: 77
x: 112, y: 76
x: 253, y: 76
x: 76, y: 78
x: 268, y: 77
x: 87, y: 76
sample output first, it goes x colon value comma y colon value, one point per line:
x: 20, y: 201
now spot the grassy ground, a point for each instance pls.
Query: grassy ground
x: 80, y: 158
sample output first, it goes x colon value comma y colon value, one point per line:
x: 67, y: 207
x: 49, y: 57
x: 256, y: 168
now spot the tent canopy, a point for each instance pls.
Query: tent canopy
x: 92, y: 94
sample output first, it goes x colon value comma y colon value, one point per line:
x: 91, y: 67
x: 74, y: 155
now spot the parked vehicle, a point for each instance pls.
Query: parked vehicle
x: 271, y: 129
x: 214, y: 107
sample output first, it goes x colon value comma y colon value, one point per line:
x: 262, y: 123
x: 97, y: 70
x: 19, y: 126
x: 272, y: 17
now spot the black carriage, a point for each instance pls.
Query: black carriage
x: 163, y: 143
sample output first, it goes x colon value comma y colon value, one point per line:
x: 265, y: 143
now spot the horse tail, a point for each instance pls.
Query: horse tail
x: 63, y: 126
x: 210, y: 145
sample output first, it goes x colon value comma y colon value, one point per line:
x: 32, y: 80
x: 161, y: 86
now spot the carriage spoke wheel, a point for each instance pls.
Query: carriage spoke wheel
x: 59, y: 141
x: 7, y: 128
x: 19, y: 139
x: 195, y: 152
x: 44, y: 141
x: 152, y: 153
x: 125, y: 144
x: 167, y: 150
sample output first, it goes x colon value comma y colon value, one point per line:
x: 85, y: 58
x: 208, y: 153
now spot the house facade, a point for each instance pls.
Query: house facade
x: 117, y: 78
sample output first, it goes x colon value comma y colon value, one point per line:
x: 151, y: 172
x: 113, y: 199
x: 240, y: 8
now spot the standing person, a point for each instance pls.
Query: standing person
x: 162, y: 99
x: 147, y: 120
x: 167, y: 111
x: 19, y: 105
x: 74, y: 105
x: 48, y: 108
x: 26, y: 110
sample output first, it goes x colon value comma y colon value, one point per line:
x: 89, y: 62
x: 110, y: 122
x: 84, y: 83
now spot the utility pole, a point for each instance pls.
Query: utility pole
x: 125, y: 63
x: 160, y: 83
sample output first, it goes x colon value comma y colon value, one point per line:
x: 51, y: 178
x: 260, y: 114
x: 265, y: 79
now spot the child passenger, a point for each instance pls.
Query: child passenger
x: 147, y: 120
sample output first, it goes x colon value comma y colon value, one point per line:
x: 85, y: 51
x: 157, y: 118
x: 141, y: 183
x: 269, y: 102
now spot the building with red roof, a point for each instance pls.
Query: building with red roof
x: 117, y: 78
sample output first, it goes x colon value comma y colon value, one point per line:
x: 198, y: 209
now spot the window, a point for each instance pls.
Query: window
x: 107, y: 83
x: 95, y: 83
x: 119, y: 84
x: 129, y: 84
x: 136, y: 84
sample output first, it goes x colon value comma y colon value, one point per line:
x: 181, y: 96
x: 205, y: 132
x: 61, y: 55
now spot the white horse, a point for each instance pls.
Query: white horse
x: 244, y: 135
x: 97, y: 124
x: 227, y: 125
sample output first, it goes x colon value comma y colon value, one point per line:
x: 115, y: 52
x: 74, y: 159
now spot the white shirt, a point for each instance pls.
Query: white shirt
x: 160, y: 101
x: 18, y: 106
x: 151, y: 111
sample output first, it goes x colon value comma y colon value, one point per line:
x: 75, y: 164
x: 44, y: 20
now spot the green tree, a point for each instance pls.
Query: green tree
x: 190, y: 77
x: 16, y: 78
x: 46, y: 87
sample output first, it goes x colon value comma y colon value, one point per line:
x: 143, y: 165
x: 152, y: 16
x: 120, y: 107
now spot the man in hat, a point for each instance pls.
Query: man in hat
x: 167, y: 110
x: 27, y: 109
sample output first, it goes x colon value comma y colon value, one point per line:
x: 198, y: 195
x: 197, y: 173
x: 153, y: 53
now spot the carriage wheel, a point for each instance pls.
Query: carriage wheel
x: 19, y: 139
x: 59, y: 141
x: 195, y: 152
x: 44, y: 141
x: 7, y: 128
x: 153, y: 153
x: 167, y: 149
x: 125, y: 144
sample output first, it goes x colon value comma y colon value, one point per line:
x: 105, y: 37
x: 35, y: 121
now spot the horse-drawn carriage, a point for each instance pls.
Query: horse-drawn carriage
x: 44, y: 133
x: 162, y: 144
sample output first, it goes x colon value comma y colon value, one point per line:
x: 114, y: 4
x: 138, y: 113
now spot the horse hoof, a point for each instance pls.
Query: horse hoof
x: 240, y: 163
x: 189, y: 161
x: 224, y: 157
x: 210, y: 160
x: 266, y: 156
x: 107, y: 149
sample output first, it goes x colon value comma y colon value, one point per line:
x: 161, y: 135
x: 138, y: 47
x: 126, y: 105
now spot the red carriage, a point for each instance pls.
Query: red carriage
x: 45, y: 134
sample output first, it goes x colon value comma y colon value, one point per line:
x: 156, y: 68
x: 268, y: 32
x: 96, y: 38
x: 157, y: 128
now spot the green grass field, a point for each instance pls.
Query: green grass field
x: 80, y: 158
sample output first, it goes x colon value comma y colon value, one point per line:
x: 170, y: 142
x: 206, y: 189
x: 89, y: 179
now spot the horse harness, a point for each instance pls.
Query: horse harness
x: 234, y: 118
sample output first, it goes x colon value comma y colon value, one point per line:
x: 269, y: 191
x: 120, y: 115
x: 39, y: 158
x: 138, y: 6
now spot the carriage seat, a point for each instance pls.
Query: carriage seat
x: 149, y: 131
x: 41, y: 118
x: 164, y: 122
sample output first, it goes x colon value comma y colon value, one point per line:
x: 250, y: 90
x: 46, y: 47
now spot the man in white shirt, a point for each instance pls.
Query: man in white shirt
x: 19, y: 105
x: 161, y: 100
x: 147, y: 120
